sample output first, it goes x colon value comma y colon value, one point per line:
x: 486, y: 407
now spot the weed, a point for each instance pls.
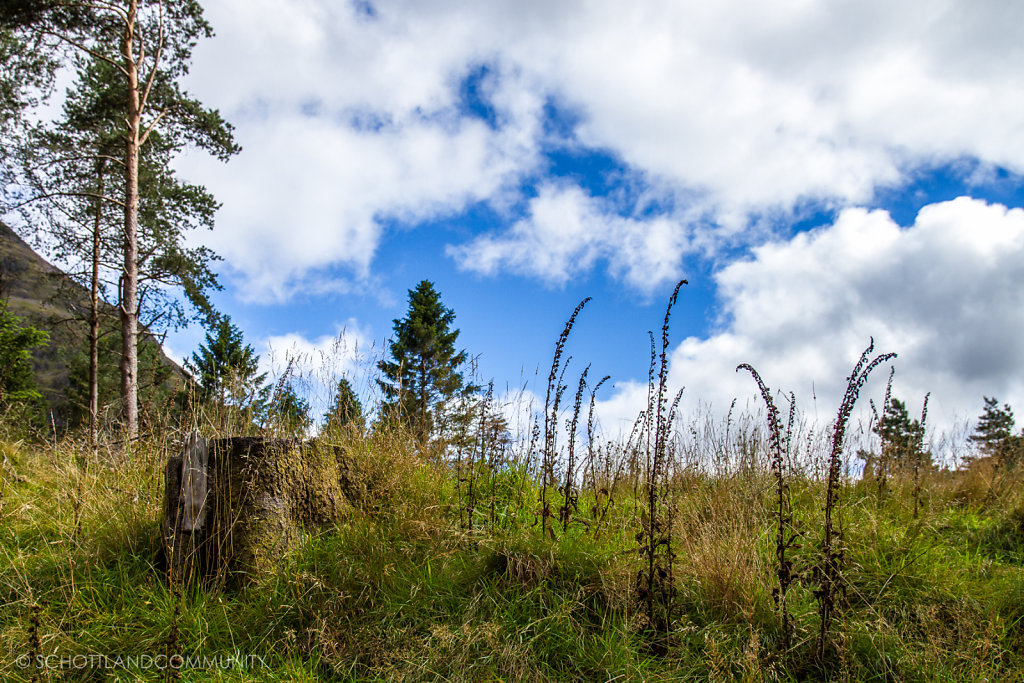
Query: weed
x: 918, y: 455
x: 656, y: 584
x: 669, y: 554
x: 552, y: 398
x: 570, y: 497
x: 829, y: 572
x: 785, y: 535
x: 35, y: 646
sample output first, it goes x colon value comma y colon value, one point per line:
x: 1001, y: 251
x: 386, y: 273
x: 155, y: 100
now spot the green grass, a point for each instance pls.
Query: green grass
x: 401, y: 591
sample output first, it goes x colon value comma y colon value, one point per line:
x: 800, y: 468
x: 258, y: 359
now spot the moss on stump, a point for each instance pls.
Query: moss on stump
x: 233, y: 506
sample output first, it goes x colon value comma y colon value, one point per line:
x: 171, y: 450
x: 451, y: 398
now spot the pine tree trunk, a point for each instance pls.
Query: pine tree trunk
x: 130, y: 271
x: 423, y: 402
x: 94, y: 318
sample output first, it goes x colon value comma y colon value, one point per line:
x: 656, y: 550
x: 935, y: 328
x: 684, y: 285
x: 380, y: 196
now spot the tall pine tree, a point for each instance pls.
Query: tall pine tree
x: 71, y: 169
x: 27, y: 76
x: 148, y: 45
x: 423, y: 378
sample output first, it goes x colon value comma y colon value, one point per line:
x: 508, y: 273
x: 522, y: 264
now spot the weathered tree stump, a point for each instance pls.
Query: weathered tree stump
x: 232, y: 506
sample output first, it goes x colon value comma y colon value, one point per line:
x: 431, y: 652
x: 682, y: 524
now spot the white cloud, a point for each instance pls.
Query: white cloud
x: 567, y: 232
x: 317, y: 365
x: 737, y: 107
x: 344, y: 123
x: 519, y: 407
x: 307, y: 193
x: 944, y: 293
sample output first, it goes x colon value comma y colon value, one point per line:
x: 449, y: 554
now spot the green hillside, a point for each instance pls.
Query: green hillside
x: 404, y: 589
x: 50, y: 300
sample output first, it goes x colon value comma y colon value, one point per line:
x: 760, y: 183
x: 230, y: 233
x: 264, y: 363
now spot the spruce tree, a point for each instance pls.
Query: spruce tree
x: 17, y: 381
x: 289, y: 412
x: 424, y: 375
x: 159, y: 384
x: 994, y: 433
x: 346, y: 408
x: 901, y: 436
x: 226, y: 368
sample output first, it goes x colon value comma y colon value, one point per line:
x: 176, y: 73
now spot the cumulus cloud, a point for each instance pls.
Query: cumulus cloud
x: 349, y: 115
x: 519, y: 407
x: 308, y: 193
x: 943, y: 293
x: 566, y: 232
x: 316, y: 365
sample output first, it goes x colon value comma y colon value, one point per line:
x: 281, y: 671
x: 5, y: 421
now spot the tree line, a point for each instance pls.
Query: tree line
x: 903, y: 448
x: 421, y: 381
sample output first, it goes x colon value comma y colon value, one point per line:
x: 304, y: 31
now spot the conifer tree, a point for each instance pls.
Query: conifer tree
x: 346, y: 409
x: 901, y: 436
x: 289, y: 412
x: 28, y: 73
x: 72, y: 169
x: 424, y: 375
x: 226, y: 368
x: 17, y: 382
x: 994, y: 433
x: 93, y: 390
x: 148, y: 45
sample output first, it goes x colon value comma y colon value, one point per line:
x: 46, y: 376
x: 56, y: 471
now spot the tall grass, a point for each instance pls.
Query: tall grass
x: 552, y: 399
x: 657, y: 585
x: 682, y: 551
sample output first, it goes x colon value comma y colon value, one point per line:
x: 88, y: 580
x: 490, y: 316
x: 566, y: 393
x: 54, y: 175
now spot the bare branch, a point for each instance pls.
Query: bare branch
x: 97, y: 5
x: 151, y: 126
x: 150, y: 323
x: 153, y: 71
x: 49, y: 195
x: 89, y: 51
x: 170, y: 282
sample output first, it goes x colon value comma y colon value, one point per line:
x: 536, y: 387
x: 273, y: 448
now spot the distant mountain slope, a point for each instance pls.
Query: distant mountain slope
x: 50, y: 300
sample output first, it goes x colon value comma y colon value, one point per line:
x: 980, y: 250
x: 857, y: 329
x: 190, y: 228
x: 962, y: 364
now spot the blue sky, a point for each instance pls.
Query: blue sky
x: 524, y: 155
